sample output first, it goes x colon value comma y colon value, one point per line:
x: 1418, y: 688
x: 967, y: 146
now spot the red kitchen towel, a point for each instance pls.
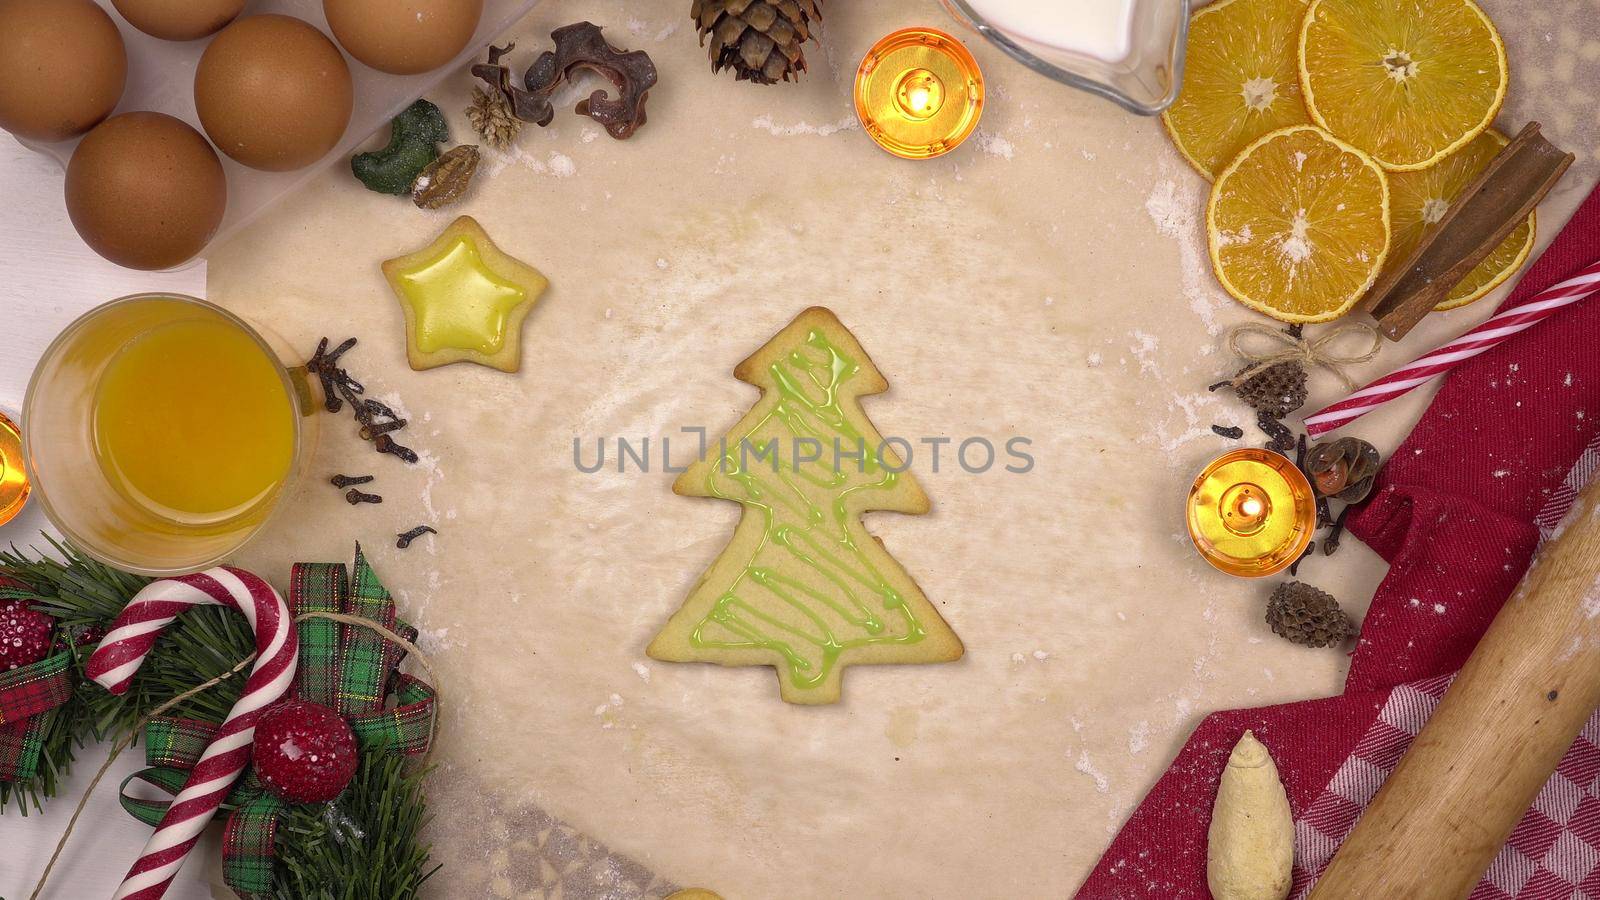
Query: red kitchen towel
x: 1457, y: 512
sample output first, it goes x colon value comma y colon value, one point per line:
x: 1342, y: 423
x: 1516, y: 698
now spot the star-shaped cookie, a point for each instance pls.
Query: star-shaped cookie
x: 464, y: 299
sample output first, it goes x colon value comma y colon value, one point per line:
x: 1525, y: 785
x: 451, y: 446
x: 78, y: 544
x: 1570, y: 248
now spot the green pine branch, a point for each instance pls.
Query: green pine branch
x: 80, y: 594
x: 363, y: 846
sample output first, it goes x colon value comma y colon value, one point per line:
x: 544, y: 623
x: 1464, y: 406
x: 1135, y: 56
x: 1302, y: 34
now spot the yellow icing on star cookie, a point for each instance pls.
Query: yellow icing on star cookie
x: 464, y: 299
x: 803, y: 587
x: 694, y: 894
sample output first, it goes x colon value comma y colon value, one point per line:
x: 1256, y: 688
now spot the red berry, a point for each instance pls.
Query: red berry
x: 24, y: 634
x: 304, y: 752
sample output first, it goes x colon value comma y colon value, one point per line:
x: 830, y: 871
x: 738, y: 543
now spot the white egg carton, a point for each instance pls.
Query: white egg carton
x: 161, y: 78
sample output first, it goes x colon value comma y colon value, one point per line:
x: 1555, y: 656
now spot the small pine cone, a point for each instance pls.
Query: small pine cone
x: 490, y: 115
x: 761, y: 40
x: 1277, y: 390
x: 1308, y: 616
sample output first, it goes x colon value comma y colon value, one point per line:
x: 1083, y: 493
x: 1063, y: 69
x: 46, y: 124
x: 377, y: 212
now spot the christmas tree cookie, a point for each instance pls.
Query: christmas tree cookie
x: 803, y: 587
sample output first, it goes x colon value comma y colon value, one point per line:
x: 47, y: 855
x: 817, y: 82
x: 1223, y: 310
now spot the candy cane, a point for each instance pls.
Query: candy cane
x: 122, y: 651
x: 1424, y: 369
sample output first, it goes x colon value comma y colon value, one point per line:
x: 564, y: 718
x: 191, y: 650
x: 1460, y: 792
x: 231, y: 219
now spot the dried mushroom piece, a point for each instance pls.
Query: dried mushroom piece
x: 445, y: 180
x: 579, y: 46
x: 1343, y: 468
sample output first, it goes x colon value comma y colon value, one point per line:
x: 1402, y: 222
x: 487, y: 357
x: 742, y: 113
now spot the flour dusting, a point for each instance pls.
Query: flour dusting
x: 1086, y: 766
x: 1139, y: 738
x: 1175, y: 214
x: 764, y: 121
x: 994, y: 145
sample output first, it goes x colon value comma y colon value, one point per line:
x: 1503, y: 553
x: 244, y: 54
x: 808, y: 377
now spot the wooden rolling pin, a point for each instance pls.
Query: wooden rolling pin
x: 1521, y: 699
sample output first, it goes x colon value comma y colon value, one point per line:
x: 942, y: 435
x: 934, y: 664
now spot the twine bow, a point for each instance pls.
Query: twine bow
x: 351, y: 645
x: 1307, y: 351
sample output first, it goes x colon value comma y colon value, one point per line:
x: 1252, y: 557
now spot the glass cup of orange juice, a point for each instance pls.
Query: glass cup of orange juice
x: 163, y: 431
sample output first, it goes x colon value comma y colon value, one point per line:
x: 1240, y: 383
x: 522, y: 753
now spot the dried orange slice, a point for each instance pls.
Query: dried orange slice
x: 1241, y: 79
x: 1407, y: 81
x: 1419, y: 199
x: 1298, y: 225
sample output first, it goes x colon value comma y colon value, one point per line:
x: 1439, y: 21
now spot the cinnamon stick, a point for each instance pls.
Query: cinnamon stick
x: 1487, y: 210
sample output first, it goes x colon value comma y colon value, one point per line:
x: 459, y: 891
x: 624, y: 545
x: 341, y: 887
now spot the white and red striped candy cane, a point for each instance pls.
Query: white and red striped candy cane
x: 1426, y: 368
x: 122, y: 651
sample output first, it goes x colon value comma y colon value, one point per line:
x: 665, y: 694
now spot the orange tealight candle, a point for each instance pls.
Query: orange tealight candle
x: 13, y: 473
x: 1251, y: 512
x: 919, y: 93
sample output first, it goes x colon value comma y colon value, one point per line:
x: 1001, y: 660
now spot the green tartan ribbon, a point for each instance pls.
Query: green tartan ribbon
x: 177, y: 743
x: 349, y: 668
x: 407, y: 727
x: 169, y: 780
x: 28, y: 696
x: 249, y: 845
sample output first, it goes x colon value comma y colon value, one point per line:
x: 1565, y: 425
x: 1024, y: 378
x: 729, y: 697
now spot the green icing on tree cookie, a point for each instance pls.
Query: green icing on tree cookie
x: 803, y: 586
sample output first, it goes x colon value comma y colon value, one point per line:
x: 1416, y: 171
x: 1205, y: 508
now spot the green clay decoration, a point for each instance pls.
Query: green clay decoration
x: 414, y: 139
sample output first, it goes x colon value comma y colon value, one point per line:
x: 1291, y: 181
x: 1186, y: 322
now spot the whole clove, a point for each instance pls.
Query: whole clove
x: 344, y: 481
x: 1282, y: 438
x: 1330, y: 544
x: 374, y: 418
x: 355, y: 496
x: 386, y: 444
x: 404, y: 539
x: 1294, y: 567
x: 368, y: 432
x: 1231, y: 432
x: 377, y: 408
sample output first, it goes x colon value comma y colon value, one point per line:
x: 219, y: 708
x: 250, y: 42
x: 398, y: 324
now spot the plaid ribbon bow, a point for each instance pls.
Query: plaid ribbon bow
x: 27, y: 692
x: 350, y: 669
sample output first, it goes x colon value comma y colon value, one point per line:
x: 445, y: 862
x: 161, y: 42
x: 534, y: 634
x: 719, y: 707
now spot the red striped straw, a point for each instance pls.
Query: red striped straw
x: 1426, y: 368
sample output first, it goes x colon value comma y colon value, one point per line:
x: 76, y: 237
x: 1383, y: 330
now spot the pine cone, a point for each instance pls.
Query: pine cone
x: 759, y: 39
x: 490, y: 115
x: 1308, y: 616
x: 1277, y: 390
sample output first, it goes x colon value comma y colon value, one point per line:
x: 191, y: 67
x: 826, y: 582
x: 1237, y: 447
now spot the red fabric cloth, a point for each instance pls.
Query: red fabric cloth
x: 1457, y: 513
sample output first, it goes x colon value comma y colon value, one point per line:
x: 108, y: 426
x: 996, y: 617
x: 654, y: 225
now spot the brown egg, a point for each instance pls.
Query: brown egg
x: 145, y: 190
x: 62, y: 67
x: 403, y: 37
x: 179, y: 20
x: 273, y: 93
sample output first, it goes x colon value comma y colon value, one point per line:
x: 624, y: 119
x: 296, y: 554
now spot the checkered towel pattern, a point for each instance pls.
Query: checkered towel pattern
x: 1458, y: 512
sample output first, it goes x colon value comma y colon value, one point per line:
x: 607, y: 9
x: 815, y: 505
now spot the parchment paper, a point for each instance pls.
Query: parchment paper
x: 1046, y: 281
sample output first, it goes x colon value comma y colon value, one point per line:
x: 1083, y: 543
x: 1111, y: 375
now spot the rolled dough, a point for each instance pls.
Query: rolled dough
x: 1047, y: 280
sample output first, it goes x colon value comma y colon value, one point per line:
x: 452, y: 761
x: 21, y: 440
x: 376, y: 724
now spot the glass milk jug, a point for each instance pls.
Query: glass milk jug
x: 1128, y: 51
